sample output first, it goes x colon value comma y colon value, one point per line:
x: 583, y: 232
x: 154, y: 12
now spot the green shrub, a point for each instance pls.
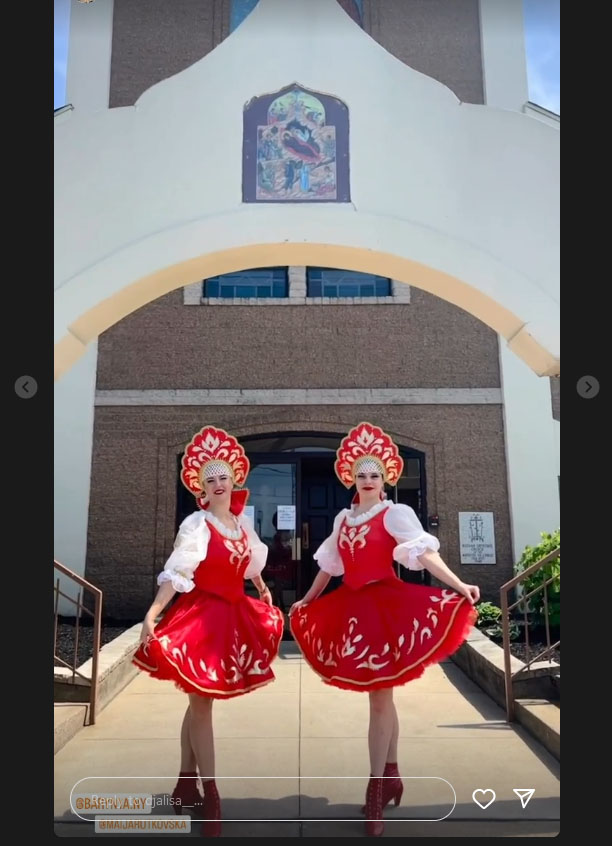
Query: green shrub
x: 531, y: 554
x: 489, y: 622
x: 487, y: 614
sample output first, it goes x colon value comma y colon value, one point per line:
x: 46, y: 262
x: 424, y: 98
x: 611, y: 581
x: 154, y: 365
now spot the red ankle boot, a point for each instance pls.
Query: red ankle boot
x: 374, y: 824
x: 392, y: 786
x: 187, y: 792
x: 211, y: 812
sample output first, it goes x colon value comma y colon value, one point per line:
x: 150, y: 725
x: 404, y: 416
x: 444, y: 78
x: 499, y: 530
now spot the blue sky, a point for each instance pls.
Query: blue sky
x: 542, y: 26
x: 61, y: 13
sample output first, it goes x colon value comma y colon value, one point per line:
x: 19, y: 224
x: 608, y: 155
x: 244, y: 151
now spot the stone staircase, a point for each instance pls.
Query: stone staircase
x: 538, y: 695
x: 115, y: 671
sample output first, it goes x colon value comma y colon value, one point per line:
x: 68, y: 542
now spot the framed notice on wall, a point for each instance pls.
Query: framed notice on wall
x: 477, y: 537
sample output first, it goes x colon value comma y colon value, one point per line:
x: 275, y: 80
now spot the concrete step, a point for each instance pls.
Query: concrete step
x: 115, y: 671
x: 67, y: 721
x: 542, y: 719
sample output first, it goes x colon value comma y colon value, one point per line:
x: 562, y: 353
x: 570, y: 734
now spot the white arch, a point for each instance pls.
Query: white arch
x: 459, y: 200
x: 123, y: 297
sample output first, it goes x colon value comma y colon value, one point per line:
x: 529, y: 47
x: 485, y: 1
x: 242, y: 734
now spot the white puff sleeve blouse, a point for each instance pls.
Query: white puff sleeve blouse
x: 191, y: 546
x: 259, y: 551
x: 402, y: 524
x: 327, y: 555
x: 412, y: 540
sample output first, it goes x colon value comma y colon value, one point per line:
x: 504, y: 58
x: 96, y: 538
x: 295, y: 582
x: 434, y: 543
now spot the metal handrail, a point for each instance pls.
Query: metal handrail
x: 506, y: 608
x: 96, y: 614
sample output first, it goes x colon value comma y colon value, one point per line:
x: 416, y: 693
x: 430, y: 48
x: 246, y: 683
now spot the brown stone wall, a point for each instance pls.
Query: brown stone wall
x: 426, y: 344
x: 439, y: 38
x: 156, y: 39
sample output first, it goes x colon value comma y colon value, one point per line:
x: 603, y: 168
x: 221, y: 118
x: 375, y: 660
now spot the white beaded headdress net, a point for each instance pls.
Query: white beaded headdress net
x: 217, y: 468
x: 369, y: 465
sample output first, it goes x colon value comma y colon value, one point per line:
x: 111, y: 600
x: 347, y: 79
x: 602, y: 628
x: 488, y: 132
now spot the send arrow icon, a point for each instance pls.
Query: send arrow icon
x: 524, y: 794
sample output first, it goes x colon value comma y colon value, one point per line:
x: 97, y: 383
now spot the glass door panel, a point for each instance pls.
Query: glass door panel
x: 272, y: 506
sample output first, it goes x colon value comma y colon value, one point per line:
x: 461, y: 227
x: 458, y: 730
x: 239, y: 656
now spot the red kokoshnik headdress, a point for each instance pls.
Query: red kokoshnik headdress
x: 213, y: 452
x: 368, y: 449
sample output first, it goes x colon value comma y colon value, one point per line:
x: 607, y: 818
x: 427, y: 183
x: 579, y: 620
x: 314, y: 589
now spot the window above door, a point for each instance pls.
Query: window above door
x: 297, y: 285
x: 260, y: 282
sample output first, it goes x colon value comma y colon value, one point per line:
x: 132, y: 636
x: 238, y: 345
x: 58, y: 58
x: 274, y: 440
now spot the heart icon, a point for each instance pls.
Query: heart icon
x: 480, y: 802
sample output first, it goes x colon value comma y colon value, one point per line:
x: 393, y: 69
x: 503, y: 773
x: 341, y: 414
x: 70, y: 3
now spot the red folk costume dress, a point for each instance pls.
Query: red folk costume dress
x: 376, y: 631
x: 215, y: 640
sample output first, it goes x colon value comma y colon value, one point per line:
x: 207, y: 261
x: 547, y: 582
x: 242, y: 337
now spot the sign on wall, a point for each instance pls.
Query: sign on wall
x: 477, y: 537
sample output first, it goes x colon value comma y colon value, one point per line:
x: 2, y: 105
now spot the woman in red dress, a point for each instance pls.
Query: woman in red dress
x: 215, y: 642
x: 375, y: 631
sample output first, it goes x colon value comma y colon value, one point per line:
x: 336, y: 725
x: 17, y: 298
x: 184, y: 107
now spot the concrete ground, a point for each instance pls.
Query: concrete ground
x: 292, y: 759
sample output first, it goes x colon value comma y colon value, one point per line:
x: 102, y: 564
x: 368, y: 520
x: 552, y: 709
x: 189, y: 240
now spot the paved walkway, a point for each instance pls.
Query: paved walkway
x: 310, y: 742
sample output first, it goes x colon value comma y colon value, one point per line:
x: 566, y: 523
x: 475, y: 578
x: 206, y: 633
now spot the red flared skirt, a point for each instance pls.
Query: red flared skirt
x: 213, y: 647
x: 382, y: 635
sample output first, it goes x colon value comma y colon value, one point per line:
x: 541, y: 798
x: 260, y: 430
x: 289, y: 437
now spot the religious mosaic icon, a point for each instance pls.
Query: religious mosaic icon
x: 295, y: 148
